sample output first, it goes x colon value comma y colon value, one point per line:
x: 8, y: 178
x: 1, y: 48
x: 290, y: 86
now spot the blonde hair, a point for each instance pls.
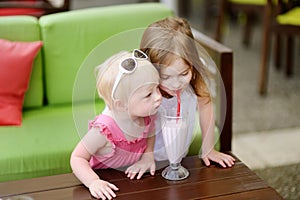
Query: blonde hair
x: 107, y: 72
x: 172, y: 38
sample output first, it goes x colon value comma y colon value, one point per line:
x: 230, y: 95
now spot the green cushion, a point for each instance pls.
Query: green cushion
x: 70, y: 37
x: 252, y: 2
x: 197, y: 140
x: 43, y: 145
x: 290, y: 18
x: 25, y: 28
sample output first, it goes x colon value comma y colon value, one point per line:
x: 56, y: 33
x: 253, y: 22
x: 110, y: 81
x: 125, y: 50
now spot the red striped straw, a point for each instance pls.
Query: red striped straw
x: 178, y: 102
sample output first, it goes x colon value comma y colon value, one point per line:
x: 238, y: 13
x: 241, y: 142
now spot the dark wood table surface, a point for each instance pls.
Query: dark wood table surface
x: 214, y: 182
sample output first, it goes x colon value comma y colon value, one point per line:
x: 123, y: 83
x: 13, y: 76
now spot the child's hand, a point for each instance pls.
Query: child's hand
x: 140, y: 167
x: 223, y: 159
x: 102, y: 189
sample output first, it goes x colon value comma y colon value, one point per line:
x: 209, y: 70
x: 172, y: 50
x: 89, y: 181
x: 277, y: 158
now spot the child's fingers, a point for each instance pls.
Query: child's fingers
x: 221, y: 162
x: 100, y: 195
x: 142, y: 171
x: 232, y: 158
x: 112, y: 186
x: 129, y: 169
x: 103, y: 190
x: 229, y: 162
x: 206, y: 161
x: 152, y: 169
x: 131, y: 173
x: 107, y: 194
x: 95, y: 194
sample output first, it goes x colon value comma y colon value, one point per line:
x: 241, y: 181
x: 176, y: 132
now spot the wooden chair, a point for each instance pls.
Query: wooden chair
x: 283, y: 21
x: 251, y: 8
x: 35, y: 8
x: 223, y: 57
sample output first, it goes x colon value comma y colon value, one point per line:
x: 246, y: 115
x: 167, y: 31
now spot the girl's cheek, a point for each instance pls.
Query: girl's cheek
x: 164, y: 84
x: 163, y: 87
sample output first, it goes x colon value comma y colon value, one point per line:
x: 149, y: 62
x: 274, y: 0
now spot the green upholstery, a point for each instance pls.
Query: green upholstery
x: 42, y: 146
x: 26, y: 28
x: 197, y: 139
x: 70, y: 37
x: 291, y: 17
x: 252, y: 2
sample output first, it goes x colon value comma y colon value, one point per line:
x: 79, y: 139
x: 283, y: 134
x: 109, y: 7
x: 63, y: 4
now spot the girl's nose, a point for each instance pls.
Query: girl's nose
x: 175, y: 83
x: 158, y: 95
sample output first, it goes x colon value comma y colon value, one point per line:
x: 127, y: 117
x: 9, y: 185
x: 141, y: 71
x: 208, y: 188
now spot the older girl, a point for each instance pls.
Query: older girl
x: 170, y: 46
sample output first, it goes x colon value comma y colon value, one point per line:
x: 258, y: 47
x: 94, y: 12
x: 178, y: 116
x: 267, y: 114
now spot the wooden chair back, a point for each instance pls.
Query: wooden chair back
x: 223, y: 57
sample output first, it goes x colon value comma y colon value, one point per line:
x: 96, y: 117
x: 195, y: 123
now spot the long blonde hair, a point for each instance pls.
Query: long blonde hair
x: 171, y: 38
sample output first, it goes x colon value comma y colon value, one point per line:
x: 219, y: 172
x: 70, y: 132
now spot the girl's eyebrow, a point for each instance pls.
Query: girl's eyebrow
x: 185, y: 70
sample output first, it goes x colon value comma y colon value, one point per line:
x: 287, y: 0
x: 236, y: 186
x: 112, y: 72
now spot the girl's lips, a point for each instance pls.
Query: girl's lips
x: 171, y: 92
x: 165, y: 89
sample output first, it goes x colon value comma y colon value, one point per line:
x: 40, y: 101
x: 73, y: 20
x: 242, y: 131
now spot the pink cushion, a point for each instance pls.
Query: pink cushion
x: 37, y: 12
x: 21, y: 11
x: 16, y: 62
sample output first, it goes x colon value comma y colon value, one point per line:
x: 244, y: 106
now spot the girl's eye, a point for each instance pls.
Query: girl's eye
x: 148, y: 95
x: 164, y: 77
x: 185, y: 73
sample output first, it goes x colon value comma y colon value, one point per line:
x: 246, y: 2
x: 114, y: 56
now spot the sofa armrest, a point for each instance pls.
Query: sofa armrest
x: 223, y: 57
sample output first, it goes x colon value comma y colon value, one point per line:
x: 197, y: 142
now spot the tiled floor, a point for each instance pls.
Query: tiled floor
x: 268, y: 148
x: 284, y: 179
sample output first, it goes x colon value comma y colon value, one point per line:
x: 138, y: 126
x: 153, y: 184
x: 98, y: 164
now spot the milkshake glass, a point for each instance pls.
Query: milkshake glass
x: 174, y: 132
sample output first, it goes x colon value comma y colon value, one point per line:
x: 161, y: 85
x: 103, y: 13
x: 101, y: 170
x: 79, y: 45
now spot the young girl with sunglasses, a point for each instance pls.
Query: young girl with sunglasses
x: 170, y: 45
x: 118, y: 137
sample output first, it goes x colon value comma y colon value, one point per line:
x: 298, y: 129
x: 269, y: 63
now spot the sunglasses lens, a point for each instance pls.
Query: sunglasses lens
x: 139, y: 54
x: 128, y: 64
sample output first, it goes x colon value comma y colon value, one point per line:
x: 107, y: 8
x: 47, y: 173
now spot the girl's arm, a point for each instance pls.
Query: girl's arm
x: 89, y: 145
x: 146, y: 162
x: 207, y: 124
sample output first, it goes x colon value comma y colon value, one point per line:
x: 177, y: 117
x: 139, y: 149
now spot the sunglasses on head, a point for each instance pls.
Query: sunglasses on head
x: 128, y: 66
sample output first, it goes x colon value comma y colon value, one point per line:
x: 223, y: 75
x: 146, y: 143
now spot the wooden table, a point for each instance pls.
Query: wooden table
x: 238, y: 182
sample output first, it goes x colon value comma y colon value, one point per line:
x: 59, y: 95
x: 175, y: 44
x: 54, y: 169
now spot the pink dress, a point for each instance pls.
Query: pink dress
x: 124, y: 152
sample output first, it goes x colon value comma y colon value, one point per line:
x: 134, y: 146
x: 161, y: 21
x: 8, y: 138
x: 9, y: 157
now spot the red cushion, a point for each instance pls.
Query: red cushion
x: 16, y: 62
x: 21, y: 11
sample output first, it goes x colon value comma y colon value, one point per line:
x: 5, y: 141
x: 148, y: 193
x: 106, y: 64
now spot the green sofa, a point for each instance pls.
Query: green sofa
x: 62, y: 96
x: 55, y: 117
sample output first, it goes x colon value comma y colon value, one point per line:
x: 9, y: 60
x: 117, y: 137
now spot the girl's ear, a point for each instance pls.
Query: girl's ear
x: 119, y: 105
